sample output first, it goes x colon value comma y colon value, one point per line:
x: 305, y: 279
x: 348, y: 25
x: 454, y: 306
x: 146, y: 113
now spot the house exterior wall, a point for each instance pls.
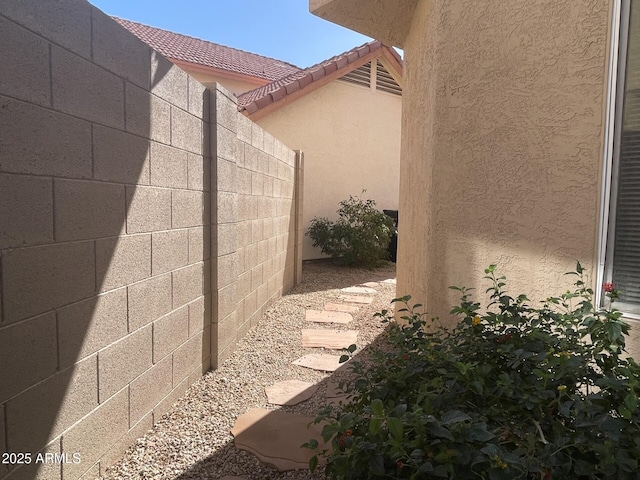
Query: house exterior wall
x: 109, y: 278
x: 350, y: 136
x: 502, y: 142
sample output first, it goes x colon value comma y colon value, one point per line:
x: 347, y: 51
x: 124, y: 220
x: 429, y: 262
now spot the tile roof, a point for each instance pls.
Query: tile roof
x: 202, y: 52
x: 260, y: 97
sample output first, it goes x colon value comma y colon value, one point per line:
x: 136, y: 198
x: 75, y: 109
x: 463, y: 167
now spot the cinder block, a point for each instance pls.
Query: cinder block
x: 256, y: 277
x: 227, y: 269
x: 257, y: 136
x: 244, y: 181
x: 117, y: 451
x: 168, y: 166
x: 263, y: 163
x: 269, y: 141
x: 19, y: 367
x: 225, y: 181
x: 38, y: 415
x: 226, y: 302
x: 28, y: 77
x: 225, y: 143
x: 39, y: 279
x: 198, y: 99
x: 41, y: 142
x: 169, y: 332
x: 94, y: 435
x: 262, y: 295
x: 186, y: 131
x: 147, y: 115
x: 122, y: 261
x: 199, y: 244
x: 244, y: 129
x: 170, y: 250
x: 262, y: 251
x: 26, y: 211
x: 148, y: 209
x: 227, y: 208
x: 149, y: 389
x: 190, y: 355
x: 243, y: 230
x: 251, y: 304
x: 188, y: 208
x: 169, y: 401
x: 93, y: 472
x: 244, y: 285
x: 207, y: 276
x: 149, y: 300
x: 257, y: 183
x: 38, y: 471
x: 199, y: 169
x: 120, y: 157
x: 119, y: 51
x: 273, y: 167
x: 87, y: 209
x: 243, y: 329
x: 81, y: 88
x: 123, y: 361
x: 225, y: 332
x: 247, y: 207
x: 86, y: 327
x: 257, y: 230
x: 168, y: 81
x: 251, y: 157
x: 65, y: 22
x: 226, y: 239
x: 251, y: 256
x: 188, y: 284
x: 268, y: 186
x: 199, y: 315
x: 226, y: 111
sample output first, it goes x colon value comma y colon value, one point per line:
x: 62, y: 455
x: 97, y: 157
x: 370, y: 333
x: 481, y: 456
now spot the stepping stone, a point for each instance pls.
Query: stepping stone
x: 328, y: 317
x: 370, y: 284
x: 320, y: 361
x: 329, y: 338
x: 390, y: 281
x: 356, y: 299
x: 290, y: 392
x: 275, y: 437
x: 337, y: 307
x: 366, y: 290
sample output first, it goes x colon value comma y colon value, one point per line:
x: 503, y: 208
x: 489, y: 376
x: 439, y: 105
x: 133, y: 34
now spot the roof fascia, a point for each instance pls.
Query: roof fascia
x: 266, y: 110
x: 228, y: 74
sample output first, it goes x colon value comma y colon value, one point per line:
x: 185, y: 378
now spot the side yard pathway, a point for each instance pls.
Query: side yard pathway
x: 269, y: 387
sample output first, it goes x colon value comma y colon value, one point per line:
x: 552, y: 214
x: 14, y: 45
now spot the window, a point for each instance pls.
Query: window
x: 622, y: 260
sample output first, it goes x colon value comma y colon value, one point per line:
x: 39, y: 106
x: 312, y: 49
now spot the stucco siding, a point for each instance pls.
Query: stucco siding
x: 502, y: 145
x: 350, y: 136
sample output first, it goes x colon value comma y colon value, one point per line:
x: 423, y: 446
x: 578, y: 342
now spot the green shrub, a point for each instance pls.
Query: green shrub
x: 514, y: 392
x: 360, y: 237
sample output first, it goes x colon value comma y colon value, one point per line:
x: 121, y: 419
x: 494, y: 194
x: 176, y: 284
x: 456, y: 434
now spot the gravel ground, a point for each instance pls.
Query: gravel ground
x: 192, y: 441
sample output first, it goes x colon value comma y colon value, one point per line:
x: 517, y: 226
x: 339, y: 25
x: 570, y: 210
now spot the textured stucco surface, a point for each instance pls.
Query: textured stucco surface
x: 350, y: 136
x: 502, y: 145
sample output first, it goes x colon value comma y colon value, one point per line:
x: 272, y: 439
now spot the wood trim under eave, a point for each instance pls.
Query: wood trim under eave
x: 229, y: 75
x: 258, y: 114
x: 390, y: 62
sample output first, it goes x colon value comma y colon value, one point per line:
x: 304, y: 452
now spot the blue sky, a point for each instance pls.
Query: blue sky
x: 282, y: 29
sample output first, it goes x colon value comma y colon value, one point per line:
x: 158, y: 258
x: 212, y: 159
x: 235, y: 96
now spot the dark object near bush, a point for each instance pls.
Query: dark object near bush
x: 393, y: 243
x: 360, y: 236
x: 514, y: 393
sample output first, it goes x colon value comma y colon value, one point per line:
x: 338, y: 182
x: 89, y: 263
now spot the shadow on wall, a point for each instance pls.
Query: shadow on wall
x: 80, y: 289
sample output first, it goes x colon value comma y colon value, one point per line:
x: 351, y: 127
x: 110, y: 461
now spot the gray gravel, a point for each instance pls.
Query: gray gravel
x: 192, y: 441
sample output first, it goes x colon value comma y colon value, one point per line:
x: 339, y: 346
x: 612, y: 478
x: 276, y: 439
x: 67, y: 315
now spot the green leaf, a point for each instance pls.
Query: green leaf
x: 454, y: 416
x: 377, y: 407
x: 631, y: 402
x: 374, y: 426
x: 352, y: 348
x: 313, y: 463
x: 395, y: 427
x: 376, y: 465
x: 344, y: 358
x: 624, y: 412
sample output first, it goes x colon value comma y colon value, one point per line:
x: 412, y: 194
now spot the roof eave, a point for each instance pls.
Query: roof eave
x: 219, y: 72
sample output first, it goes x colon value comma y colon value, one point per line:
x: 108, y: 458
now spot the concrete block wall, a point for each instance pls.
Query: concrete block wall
x: 105, y: 223
x: 255, y: 235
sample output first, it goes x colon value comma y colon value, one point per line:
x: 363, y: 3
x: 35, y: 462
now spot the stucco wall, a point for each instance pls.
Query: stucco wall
x: 502, y: 145
x: 110, y: 279
x: 350, y: 136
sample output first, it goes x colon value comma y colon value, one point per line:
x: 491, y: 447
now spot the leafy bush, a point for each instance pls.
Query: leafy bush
x: 359, y: 237
x: 515, y: 392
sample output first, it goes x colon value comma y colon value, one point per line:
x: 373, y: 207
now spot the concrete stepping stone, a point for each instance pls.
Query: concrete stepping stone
x: 363, y: 290
x: 390, y: 281
x: 370, y: 284
x: 320, y: 361
x: 290, y: 392
x: 337, y: 307
x: 275, y: 437
x: 328, y: 317
x: 356, y: 299
x: 329, y: 338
